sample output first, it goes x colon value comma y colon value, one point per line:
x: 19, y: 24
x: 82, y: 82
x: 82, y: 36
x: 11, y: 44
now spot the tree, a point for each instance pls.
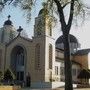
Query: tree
x: 8, y: 75
x: 1, y: 76
x: 76, y: 8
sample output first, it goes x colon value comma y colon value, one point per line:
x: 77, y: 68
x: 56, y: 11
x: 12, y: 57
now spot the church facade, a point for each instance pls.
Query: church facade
x: 40, y: 58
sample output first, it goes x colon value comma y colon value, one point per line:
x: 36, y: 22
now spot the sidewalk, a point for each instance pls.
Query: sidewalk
x: 56, y: 89
x: 73, y: 89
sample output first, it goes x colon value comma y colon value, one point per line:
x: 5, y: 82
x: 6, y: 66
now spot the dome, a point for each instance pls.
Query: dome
x: 8, y: 32
x: 42, y: 11
x: 8, y: 22
x: 72, y: 39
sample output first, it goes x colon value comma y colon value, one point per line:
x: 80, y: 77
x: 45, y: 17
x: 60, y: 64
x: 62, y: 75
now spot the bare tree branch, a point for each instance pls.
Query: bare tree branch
x: 71, y: 14
x: 66, y: 4
x: 61, y: 13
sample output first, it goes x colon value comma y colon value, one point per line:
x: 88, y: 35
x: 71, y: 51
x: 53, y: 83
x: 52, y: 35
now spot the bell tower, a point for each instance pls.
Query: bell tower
x: 43, y: 24
x: 43, y: 36
x: 8, y: 31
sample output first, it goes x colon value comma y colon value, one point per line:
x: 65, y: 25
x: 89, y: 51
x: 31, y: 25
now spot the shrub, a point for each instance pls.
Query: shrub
x: 8, y: 75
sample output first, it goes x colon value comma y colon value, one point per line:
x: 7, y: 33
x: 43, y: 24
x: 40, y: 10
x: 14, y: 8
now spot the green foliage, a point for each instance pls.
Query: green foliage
x: 1, y: 75
x: 80, y: 8
x: 8, y: 75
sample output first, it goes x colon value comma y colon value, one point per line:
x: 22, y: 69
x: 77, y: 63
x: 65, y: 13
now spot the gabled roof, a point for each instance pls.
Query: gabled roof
x: 84, y: 74
x: 27, y: 39
x: 59, y: 49
x: 62, y: 59
x: 82, y: 52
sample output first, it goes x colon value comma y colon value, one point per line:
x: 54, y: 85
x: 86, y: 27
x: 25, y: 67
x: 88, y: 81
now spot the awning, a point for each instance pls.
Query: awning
x: 84, y: 74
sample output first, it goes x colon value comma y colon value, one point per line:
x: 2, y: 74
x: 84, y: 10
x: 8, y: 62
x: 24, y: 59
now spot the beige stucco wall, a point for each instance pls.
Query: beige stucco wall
x: 28, y: 47
x: 83, y: 60
x: 44, y: 40
x: 40, y: 74
x: 49, y: 41
x: 7, y: 30
x: 3, y: 50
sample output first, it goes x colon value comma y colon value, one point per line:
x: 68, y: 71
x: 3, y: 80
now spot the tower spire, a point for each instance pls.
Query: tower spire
x: 9, y: 17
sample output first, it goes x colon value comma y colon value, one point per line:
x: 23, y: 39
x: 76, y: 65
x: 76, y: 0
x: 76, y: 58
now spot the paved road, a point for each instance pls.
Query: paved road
x: 57, y: 89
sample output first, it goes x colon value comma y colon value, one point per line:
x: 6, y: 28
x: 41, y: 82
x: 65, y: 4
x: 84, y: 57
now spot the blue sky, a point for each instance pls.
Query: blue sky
x: 18, y: 18
x: 82, y: 33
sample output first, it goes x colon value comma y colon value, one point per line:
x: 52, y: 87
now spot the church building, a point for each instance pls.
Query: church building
x: 42, y: 57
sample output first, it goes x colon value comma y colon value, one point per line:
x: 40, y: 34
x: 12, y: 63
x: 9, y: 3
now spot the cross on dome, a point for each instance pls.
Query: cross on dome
x: 9, y: 17
x: 8, y: 22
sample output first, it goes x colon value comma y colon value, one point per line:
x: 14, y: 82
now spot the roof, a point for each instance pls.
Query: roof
x: 27, y: 39
x: 85, y: 73
x: 72, y: 39
x: 62, y: 59
x: 8, y: 22
x: 62, y: 50
x: 59, y: 49
x: 82, y: 52
x: 43, y: 11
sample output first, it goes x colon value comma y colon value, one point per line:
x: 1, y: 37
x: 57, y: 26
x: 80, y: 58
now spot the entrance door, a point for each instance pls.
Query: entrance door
x: 20, y: 76
x: 18, y: 62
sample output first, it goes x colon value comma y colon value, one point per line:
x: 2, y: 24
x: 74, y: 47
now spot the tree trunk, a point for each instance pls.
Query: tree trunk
x: 67, y: 62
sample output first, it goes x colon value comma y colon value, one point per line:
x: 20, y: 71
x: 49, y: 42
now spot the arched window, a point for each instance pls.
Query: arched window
x: 37, y: 57
x: 49, y: 24
x: 50, y: 56
x: 20, y: 58
x: 50, y: 31
x: 17, y: 63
